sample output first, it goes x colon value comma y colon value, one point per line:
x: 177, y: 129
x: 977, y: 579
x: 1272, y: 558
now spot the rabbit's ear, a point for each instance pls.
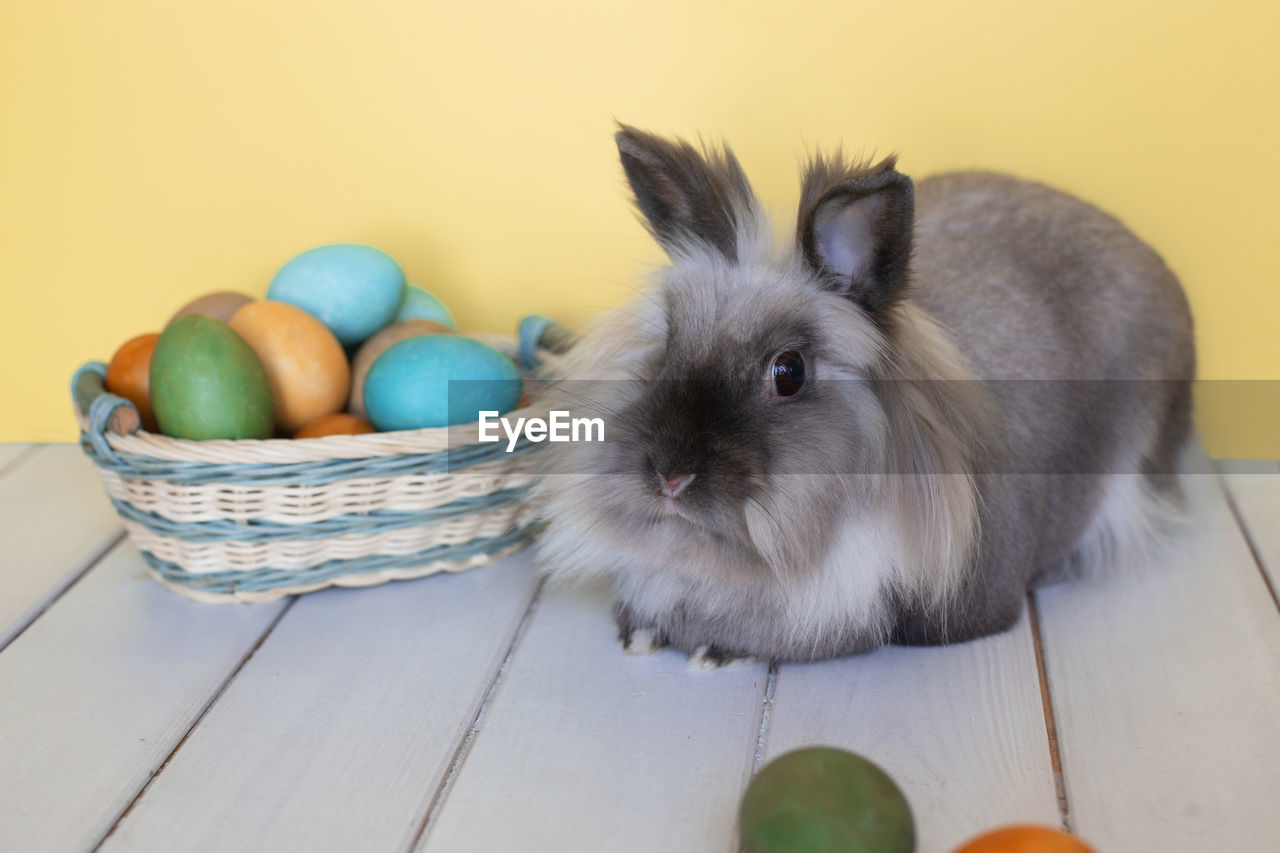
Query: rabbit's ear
x: 855, y: 227
x: 688, y: 198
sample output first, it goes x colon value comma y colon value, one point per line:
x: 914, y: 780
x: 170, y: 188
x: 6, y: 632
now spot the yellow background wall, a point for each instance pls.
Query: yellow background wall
x: 151, y: 151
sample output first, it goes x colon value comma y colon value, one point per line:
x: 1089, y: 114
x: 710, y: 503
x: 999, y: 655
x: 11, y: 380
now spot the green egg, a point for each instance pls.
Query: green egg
x: 207, y: 383
x: 824, y: 800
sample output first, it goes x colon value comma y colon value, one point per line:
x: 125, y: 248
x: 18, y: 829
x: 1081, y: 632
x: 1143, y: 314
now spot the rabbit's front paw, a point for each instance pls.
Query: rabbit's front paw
x: 637, y: 639
x: 715, y: 657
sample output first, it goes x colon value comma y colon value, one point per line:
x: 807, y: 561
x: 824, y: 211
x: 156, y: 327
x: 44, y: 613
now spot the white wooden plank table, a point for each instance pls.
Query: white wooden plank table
x: 961, y: 729
x: 1252, y: 491
x: 1166, y: 690
x: 11, y: 453
x: 97, y: 693
x: 343, y: 725
x: 587, y: 749
x: 55, y: 520
x: 473, y: 712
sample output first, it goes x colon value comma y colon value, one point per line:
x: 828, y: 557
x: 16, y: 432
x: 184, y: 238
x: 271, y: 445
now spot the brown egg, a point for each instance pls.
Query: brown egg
x: 336, y: 424
x: 306, y: 366
x: 129, y: 376
x: 380, y: 343
x: 220, y: 305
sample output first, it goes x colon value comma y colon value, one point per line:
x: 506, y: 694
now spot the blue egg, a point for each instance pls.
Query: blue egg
x: 420, y: 304
x: 439, y: 380
x: 354, y: 290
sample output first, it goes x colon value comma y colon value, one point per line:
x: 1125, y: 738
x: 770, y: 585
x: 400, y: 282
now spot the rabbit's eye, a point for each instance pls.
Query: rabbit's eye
x: 788, y: 373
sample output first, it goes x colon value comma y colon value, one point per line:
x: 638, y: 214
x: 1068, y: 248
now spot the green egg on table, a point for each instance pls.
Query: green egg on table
x: 419, y: 304
x: 355, y: 290
x: 207, y: 383
x: 438, y: 380
x: 824, y: 800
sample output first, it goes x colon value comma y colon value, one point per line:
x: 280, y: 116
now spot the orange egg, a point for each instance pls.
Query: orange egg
x: 1025, y: 839
x: 336, y: 424
x: 306, y: 366
x: 129, y: 376
x: 220, y: 305
x: 380, y: 343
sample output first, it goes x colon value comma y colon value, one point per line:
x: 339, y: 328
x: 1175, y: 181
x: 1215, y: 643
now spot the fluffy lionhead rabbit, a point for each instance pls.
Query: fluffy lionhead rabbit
x: 940, y: 395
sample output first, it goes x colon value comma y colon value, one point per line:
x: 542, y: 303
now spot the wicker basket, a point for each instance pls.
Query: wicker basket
x: 247, y: 520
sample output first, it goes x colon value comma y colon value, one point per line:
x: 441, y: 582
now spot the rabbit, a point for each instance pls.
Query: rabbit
x: 941, y: 396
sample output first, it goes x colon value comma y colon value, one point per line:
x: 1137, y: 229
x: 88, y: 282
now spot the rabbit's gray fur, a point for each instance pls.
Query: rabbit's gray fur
x: 894, y: 498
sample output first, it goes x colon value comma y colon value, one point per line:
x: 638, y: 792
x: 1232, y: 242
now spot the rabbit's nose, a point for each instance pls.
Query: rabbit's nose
x: 673, y: 484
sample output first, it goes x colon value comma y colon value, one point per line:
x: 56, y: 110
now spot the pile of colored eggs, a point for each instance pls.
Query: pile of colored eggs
x: 230, y: 366
x: 825, y: 800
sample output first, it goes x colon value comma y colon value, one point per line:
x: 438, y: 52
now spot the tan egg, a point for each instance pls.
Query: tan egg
x: 380, y: 343
x: 306, y: 366
x: 337, y: 424
x: 220, y: 305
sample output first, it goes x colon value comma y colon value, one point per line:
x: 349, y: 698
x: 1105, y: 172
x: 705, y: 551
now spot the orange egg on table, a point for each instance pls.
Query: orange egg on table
x: 380, y: 343
x: 340, y: 423
x: 305, y: 365
x: 1025, y: 839
x: 129, y: 376
x: 220, y: 305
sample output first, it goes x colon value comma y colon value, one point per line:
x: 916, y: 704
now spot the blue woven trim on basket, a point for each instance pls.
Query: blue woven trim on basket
x: 261, y: 580
x: 98, y: 367
x: 258, y: 530
x: 136, y: 467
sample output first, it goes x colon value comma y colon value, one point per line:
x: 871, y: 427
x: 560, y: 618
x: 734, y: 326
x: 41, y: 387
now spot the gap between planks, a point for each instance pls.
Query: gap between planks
x: 67, y: 584
x: 217, y: 694
x: 441, y: 794
x: 766, y: 717
x: 762, y: 738
x: 23, y: 455
x: 1248, y: 538
x: 1050, y: 727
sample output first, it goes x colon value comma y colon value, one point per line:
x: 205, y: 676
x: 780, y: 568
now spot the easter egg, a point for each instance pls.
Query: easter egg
x: 207, y: 383
x: 340, y: 423
x: 220, y: 305
x: 1025, y: 839
x: 306, y: 366
x: 438, y: 380
x: 823, y: 800
x: 377, y: 345
x: 129, y: 375
x: 420, y: 304
x: 354, y: 290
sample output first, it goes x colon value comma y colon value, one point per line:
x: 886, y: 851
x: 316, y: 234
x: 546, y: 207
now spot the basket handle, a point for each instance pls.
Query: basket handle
x: 103, y: 410
x: 537, y: 332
